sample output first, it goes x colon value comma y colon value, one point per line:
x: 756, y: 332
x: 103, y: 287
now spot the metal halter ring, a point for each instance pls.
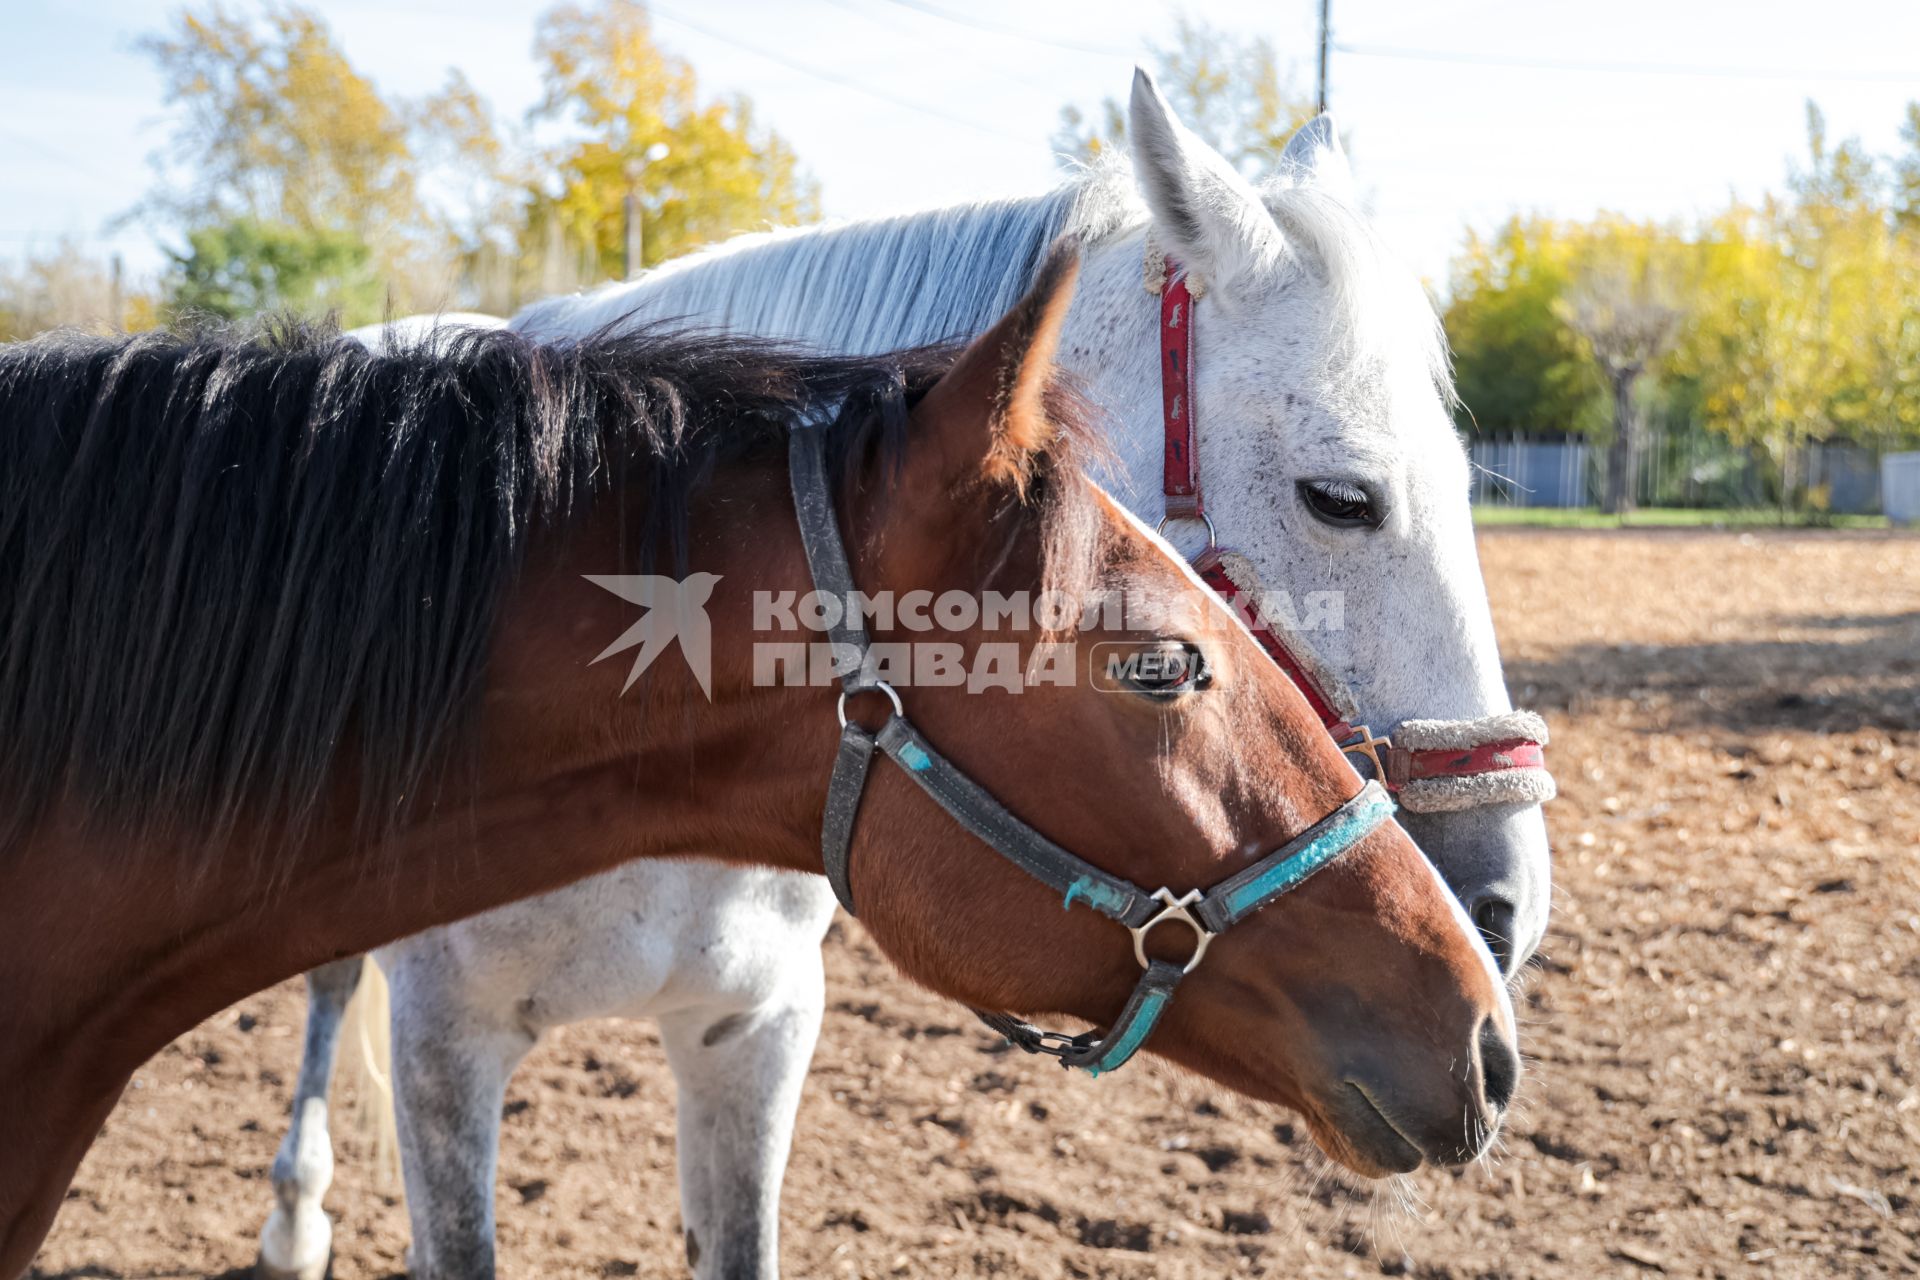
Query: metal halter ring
x: 878, y: 686
x: 1173, y: 908
x: 1213, y: 535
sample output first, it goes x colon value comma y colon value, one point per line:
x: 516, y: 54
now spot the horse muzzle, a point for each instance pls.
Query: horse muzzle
x: 1394, y: 1115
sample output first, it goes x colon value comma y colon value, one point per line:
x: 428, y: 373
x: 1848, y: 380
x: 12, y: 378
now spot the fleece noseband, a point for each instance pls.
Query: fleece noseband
x: 1207, y: 912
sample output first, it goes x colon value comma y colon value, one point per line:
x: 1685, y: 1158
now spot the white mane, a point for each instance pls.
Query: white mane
x: 942, y: 274
x: 858, y: 288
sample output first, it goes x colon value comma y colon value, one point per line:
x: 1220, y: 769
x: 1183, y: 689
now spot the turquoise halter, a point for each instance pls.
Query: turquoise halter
x: 1207, y: 912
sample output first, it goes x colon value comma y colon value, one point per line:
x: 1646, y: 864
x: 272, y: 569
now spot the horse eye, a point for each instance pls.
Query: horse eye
x: 1169, y: 671
x: 1340, y: 503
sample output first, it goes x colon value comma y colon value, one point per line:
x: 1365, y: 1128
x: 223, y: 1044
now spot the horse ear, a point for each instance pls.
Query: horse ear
x: 1204, y: 213
x: 991, y: 405
x: 1314, y: 155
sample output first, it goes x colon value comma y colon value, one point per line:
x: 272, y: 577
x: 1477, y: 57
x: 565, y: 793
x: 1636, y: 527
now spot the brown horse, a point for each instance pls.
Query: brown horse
x: 300, y: 660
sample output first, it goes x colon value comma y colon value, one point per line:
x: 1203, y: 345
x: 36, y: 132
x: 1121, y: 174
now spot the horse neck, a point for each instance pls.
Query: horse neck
x: 130, y: 945
x: 126, y: 954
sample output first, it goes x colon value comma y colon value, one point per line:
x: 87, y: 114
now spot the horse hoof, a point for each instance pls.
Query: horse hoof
x: 264, y: 1270
x: 296, y: 1249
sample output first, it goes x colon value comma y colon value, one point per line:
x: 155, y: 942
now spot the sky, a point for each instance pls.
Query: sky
x: 1458, y: 112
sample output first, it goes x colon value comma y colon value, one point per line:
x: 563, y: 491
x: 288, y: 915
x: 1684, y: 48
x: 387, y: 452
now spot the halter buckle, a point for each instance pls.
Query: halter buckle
x: 1055, y: 1044
x: 1173, y: 908
x: 1365, y: 744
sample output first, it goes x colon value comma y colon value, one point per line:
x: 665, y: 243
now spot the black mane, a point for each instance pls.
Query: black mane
x: 225, y: 557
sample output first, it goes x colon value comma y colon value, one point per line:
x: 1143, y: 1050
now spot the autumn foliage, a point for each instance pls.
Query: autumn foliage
x: 297, y: 184
x: 1795, y: 318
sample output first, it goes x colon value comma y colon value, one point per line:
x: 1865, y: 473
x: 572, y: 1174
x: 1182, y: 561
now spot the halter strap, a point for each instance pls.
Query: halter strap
x: 1495, y: 760
x: 1180, y: 466
x: 827, y: 556
x: 1076, y: 880
x: 1214, y: 571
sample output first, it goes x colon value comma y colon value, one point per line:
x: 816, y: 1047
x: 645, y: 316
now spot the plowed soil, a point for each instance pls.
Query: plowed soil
x: 1724, y: 1032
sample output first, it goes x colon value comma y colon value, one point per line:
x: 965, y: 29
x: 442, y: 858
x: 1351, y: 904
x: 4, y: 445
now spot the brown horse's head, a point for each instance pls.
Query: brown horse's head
x: 1362, y: 999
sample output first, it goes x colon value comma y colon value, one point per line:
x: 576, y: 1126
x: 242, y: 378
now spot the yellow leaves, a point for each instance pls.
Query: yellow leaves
x: 602, y: 69
x: 280, y: 129
x: 1518, y: 365
x: 1803, y: 328
x: 1802, y: 312
x: 143, y: 312
x: 720, y: 174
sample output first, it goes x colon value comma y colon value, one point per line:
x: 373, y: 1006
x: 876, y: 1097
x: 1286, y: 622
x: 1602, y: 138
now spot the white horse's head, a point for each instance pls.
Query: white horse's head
x: 1327, y: 454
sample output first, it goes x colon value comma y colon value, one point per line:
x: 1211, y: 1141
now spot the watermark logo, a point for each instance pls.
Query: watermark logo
x: 794, y: 634
x: 676, y: 610
x: 1121, y: 666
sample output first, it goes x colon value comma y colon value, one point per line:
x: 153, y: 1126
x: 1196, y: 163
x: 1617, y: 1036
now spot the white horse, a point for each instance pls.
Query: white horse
x: 1330, y: 463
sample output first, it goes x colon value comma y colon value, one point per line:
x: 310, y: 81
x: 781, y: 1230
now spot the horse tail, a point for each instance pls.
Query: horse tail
x: 366, y: 1045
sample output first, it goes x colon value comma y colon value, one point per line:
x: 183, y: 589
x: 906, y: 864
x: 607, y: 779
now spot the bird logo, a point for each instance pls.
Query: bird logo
x: 676, y: 610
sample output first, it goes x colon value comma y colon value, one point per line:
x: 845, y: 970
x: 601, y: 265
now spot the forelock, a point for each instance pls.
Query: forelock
x: 1379, y: 318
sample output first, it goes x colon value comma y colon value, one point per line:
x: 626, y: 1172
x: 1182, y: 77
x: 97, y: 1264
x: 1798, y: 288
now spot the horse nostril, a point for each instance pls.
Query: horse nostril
x: 1493, y: 917
x: 1499, y: 1066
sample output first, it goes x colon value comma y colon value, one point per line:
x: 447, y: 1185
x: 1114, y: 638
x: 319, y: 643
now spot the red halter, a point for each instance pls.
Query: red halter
x: 1180, y: 480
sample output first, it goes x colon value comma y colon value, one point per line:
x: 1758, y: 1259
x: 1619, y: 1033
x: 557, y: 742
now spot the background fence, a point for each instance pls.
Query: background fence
x: 1683, y: 465
x: 1900, y: 487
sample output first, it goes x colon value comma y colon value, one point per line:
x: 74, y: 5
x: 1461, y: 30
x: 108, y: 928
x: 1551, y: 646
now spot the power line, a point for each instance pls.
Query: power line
x: 834, y: 77
x: 1325, y: 43
x: 1620, y: 68
x: 27, y: 237
x: 1006, y: 29
x: 905, y: 28
x: 52, y: 153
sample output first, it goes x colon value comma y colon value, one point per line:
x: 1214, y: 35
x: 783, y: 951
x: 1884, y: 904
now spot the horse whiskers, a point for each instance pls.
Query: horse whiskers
x: 1395, y: 1204
x: 1405, y: 1214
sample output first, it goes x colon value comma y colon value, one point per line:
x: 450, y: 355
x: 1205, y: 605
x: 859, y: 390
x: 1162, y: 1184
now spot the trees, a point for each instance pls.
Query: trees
x: 1807, y: 324
x: 1906, y: 170
x: 297, y: 184
x: 278, y: 127
x: 245, y: 267
x: 622, y: 94
x: 463, y: 151
x: 66, y: 287
x: 1517, y: 366
x: 1782, y: 322
x: 298, y: 189
x: 1229, y: 92
x: 1628, y: 325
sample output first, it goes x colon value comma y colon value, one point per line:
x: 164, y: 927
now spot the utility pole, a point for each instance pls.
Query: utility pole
x: 631, y: 263
x: 635, y: 167
x: 1323, y: 55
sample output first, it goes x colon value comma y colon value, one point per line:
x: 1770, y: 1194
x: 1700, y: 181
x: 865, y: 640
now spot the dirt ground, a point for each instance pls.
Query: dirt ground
x: 1724, y: 1034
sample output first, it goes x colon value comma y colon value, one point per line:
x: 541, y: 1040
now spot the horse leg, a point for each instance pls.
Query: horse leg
x: 297, y: 1242
x: 451, y: 1065
x: 740, y: 1075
